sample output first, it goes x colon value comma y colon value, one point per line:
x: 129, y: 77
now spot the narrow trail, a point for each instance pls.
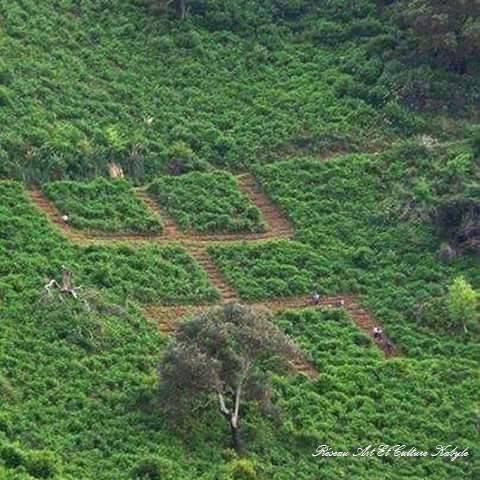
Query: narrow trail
x: 278, y: 228
x: 169, y: 226
x: 277, y: 224
x: 86, y: 237
x: 168, y: 316
x: 363, y: 319
x: 215, y: 277
x: 55, y: 216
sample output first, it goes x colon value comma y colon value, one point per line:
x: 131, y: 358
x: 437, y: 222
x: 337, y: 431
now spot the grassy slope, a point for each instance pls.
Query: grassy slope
x: 86, y: 397
x: 103, y: 205
x: 207, y: 202
x: 75, y: 86
x: 146, y: 274
x: 347, y: 210
x: 77, y: 83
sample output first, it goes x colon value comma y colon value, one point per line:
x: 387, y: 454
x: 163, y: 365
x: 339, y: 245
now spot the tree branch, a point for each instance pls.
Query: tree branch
x: 223, y: 407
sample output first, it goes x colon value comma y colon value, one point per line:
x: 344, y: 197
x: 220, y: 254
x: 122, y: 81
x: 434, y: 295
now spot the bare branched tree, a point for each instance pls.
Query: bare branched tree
x: 225, y: 353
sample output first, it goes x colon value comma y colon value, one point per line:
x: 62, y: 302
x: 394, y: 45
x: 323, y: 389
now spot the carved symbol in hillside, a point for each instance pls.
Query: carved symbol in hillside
x: 278, y: 228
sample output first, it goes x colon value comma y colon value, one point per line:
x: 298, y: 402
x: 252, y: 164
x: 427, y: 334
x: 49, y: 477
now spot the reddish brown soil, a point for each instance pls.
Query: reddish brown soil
x: 169, y: 227
x: 215, y: 277
x: 277, y: 223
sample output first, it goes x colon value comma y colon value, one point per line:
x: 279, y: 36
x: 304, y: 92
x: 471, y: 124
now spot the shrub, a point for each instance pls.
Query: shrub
x: 241, y: 469
x: 462, y: 303
x: 12, y: 456
x: 155, y: 468
x: 457, y: 220
x: 42, y: 464
x: 182, y: 160
x: 147, y: 470
x: 328, y: 33
x: 475, y: 142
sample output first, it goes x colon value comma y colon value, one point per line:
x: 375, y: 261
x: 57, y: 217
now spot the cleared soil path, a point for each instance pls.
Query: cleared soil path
x: 167, y: 317
x: 278, y: 228
x: 276, y: 223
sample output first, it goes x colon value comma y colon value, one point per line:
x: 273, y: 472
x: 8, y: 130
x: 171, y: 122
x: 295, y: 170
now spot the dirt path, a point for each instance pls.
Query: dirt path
x: 55, y: 216
x: 85, y: 237
x: 363, y: 319
x: 278, y: 227
x: 277, y: 224
x: 215, y: 277
x: 166, y: 315
x: 169, y: 226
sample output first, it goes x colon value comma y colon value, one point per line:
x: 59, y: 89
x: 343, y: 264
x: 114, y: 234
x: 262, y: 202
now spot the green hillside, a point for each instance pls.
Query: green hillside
x: 82, y: 83
x: 362, y: 138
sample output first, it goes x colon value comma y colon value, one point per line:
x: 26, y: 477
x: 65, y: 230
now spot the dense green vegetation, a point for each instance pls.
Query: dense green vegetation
x: 230, y: 84
x: 443, y: 33
x: 274, y: 86
x: 360, y: 233
x: 102, y: 205
x: 146, y: 273
x: 274, y: 269
x: 367, y: 219
x: 362, y: 400
x: 207, y: 202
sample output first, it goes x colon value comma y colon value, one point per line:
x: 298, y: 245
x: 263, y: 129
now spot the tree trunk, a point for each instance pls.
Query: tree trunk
x: 181, y: 9
x: 235, y: 433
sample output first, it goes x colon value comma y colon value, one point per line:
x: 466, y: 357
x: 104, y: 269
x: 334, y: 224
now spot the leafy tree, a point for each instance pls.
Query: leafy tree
x: 225, y: 353
x: 462, y: 303
x: 449, y: 31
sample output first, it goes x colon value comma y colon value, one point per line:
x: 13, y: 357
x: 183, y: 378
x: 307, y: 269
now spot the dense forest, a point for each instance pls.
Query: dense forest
x: 158, y: 158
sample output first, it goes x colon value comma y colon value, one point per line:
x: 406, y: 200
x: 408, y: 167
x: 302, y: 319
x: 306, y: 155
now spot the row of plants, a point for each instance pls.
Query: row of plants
x: 207, y: 202
x: 274, y: 269
x: 102, y: 205
x: 147, y: 273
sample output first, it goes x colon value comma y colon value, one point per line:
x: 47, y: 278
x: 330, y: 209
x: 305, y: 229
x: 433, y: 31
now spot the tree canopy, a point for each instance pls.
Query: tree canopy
x: 449, y: 32
x: 226, y: 353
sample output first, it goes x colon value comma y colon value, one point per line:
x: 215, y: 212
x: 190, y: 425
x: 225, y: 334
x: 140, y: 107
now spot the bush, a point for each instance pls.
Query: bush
x: 12, y: 456
x: 183, y: 160
x: 155, y: 469
x: 462, y: 303
x: 328, y: 33
x: 457, y: 220
x: 241, y: 469
x: 42, y: 464
x: 475, y: 142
